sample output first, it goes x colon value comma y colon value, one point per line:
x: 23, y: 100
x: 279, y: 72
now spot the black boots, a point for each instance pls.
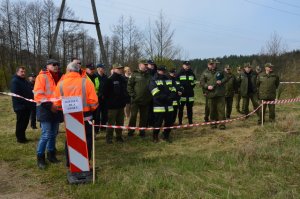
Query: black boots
x: 51, y: 156
x: 41, y: 162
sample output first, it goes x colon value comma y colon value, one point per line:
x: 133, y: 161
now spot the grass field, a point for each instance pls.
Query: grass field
x: 244, y: 161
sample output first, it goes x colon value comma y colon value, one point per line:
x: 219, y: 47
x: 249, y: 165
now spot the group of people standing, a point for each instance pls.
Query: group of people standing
x: 220, y: 86
x: 158, y: 96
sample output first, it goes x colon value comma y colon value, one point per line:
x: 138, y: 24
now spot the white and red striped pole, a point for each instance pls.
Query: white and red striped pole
x: 75, y: 133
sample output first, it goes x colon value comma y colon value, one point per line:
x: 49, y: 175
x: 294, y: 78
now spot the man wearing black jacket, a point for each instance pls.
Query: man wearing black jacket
x: 102, y: 108
x: 187, y: 80
x: 116, y: 94
x: 22, y: 108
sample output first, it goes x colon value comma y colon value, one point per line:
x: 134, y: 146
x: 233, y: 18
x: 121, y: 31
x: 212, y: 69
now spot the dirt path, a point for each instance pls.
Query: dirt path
x: 14, y: 184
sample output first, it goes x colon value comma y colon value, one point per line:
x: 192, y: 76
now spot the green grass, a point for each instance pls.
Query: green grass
x: 244, y: 161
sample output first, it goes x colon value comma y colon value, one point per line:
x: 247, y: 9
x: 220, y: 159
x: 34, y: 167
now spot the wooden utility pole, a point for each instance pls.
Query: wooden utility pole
x: 96, y: 23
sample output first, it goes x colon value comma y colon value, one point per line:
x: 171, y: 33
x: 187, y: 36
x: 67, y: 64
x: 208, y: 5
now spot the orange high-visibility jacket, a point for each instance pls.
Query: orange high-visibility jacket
x: 74, y: 85
x: 44, y: 87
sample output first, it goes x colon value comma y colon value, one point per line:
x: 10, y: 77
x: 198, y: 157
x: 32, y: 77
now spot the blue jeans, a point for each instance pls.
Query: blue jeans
x: 48, y: 137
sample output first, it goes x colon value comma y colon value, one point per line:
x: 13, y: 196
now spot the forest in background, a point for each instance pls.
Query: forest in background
x: 27, y: 28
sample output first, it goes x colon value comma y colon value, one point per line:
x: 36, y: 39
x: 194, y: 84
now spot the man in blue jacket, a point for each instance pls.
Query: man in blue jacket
x: 22, y: 108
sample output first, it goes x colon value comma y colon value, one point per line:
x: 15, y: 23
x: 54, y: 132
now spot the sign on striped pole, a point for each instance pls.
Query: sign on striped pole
x: 75, y: 133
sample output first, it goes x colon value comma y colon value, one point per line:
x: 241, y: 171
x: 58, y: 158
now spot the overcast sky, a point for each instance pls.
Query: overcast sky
x: 205, y: 28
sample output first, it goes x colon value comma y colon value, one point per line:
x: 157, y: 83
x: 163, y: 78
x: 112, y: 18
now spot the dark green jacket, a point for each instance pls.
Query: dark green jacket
x: 137, y: 88
x: 209, y: 78
x: 267, y: 85
x: 230, y: 85
x: 245, y: 88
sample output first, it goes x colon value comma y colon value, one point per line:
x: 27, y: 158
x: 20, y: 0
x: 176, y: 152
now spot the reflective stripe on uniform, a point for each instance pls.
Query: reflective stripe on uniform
x: 182, y: 77
x: 191, y: 99
x: 177, y: 82
x: 159, y: 109
x: 38, y: 92
x: 48, y: 90
x: 175, y: 103
x: 183, y: 99
x: 172, y: 89
x: 191, y: 77
x: 170, y: 108
x: 61, y: 88
x: 154, y: 91
x: 169, y: 82
x: 159, y: 82
x: 83, y: 90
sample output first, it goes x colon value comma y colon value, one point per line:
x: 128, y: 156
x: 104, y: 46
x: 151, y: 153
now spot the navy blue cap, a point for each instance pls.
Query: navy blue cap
x: 32, y: 75
x: 150, y: 62
x: 173, y: 70
x: 100, y: 65
x: 90, y: 66
x: 186, y: 63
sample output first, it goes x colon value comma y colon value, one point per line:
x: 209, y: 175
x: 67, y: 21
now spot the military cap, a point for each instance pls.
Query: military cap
x: 210, y: 61
x: 100, y: 65
x: 90, y: 66
x: 227, y: 66
x: 143, y: 61
x: 269, y: 65
x: 51, y: 61
x: 32, y: 75
x: 150, y: 62
x: 117, y: 66
x: 162, y: 68
x: 247, y: 65
x: 186, y: 63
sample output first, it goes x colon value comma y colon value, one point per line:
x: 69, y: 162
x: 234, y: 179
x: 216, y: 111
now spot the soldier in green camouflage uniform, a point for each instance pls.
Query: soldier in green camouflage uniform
x: 230, y: 88
x: 238, y: 92
x: 267, y: 83
x: 141, y: 97
x: 212, y: 82
x: 248, y: 89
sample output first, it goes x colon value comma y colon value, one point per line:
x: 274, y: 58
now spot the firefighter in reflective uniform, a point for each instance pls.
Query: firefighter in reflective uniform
x: 187, y: 80
x: 179, y: 89
x: 75, y: 85
x: 163, y: 92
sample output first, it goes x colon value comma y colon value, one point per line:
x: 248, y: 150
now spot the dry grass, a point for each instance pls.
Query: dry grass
x: 244, y: 161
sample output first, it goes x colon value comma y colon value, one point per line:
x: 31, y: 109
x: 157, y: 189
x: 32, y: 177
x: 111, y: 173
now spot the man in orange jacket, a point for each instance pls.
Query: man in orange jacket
x: 73, y: 84
x: 44, y: 87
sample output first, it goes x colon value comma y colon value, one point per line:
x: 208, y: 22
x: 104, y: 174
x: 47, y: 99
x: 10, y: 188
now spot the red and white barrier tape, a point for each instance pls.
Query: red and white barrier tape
x: 284, y: 101
x: 175, y: 127
x: 30, y: 100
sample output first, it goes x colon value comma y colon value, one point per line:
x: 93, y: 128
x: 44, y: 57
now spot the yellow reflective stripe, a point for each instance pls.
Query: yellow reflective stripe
x: 177, y: 82
x: 154, y: 91
x: 191, y: 77
x: 175, y: 103
x: 183, y: 99
x: 159, y: 82
x: 169, y: 82
x: 191, y: 99
x: 159, y: 109
x: 183, y: 77
x: 170, y: 108
x: 172, y: 89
